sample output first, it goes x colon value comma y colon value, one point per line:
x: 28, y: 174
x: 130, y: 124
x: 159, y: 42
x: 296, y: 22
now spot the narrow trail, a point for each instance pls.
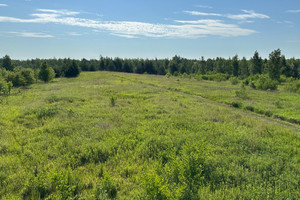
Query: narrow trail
x: 284, y: 123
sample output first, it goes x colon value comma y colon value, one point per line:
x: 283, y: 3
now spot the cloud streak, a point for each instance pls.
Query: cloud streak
x: 247, y: 14
x: 32, y: 35
x: 1, y: 4
x: 133, y: 29
x: 196, y: 13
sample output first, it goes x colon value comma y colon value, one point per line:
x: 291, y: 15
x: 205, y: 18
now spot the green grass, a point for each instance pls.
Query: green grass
x: 126, y: 136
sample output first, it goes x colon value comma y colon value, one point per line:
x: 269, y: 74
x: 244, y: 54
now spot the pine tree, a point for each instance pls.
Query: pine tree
x: 274, y: 64
x: 256, y: 65
x: 72, y: 69
x: 46, y: 73
x: 7, y: 63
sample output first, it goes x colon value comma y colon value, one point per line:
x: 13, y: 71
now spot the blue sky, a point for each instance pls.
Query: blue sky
x: 148, y: 29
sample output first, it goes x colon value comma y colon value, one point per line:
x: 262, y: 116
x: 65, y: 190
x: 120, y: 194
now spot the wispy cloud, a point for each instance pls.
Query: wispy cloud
x: 248, y: 14
x: 293, y: 11
x: 132, y: 29
x: 1, y: 4
x: 60, y: 12
x: 245, y: 16
x: 32, y: 35
x: 202, y: 13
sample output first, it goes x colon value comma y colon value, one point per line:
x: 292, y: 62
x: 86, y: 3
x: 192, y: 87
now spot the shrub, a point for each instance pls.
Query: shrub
x: 4, y: 89
x: 293, y: 86
x: 234, y: 80
x: 250, y: 108
x: 213, y: 77
x: 241, y: 93
x: 46, y: 73
x: 28, y: 75
x: 263, y: 82
x: 269, y: 113
x: 107, y: 189
x: 18, y: 80
x: 237, y: 104
x: 43, y: 113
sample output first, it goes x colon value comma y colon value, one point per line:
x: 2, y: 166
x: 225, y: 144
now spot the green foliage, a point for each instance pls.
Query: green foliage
x: 28, y: 75
x: 250, y: 108
x: 72, y: 69
x: 234, y: 80
x: 7, y: 64
x: 237, y: 104
x: 46, y: 73
x: 235, y: 65
x: 263, y: 82
x: 242, y: 93
x: 274, y: 64
x: 215, y: 77
x: 293, y: 86
x: 36, y: 75
x: 112, y: 101
x: 18, y: 80
x: 165, y: 140
x: 4, y: 87
x: 256, y: 66
x: 43, y: 113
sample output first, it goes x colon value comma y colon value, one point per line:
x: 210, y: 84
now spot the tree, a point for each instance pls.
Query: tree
x: 18, y: 80
x: 72, y: 69
x: 46, y: 73
x: 84, y: 65
x: 4, y: 89
x: 202, y: 69
x: 36, y: 75
x: 7, y: 63
x: 285, y: 67
x: 256, y: 64
x: 235, y: 65
x: 28, y: 75
x: 274, y: 64
x: 244, y: 69
x: 102, y: 64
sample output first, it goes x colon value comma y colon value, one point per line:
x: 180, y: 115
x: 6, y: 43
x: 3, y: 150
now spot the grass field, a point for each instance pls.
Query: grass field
x: 110, y: 135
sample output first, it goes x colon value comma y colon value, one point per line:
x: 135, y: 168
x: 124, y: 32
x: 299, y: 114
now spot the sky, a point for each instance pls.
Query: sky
x: 148, y: 29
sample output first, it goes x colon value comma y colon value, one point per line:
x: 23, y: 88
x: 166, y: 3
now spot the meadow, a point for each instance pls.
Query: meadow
x: 109, y: 135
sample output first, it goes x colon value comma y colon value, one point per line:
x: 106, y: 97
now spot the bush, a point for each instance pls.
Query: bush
x: 107, y: 189
x: 4, y: 87
x: 234, y: 80
x: 293, y: 86
x: 263, y: 82
x: 213, y: 77
x: 28, y: 75
x: 237, y: 104
x: 250, y: 108
x: 241, y: 93
x: 18, y: 80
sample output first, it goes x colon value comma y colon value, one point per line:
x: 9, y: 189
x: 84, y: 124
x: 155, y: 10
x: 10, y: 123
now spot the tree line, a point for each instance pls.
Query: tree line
x: 273, y: 67
x: 14, y: 74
